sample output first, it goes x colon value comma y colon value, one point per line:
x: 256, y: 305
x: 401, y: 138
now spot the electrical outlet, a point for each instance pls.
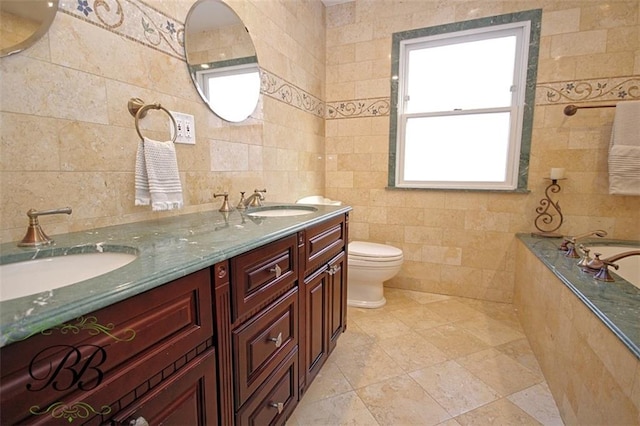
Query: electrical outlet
x: 186, y: 128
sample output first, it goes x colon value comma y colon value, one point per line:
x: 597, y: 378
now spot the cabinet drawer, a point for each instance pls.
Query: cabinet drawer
x: 263, y: 343
x: 275, y: 401
x: 323, y: 242
x: 261, y: 275
x: 74, y: 360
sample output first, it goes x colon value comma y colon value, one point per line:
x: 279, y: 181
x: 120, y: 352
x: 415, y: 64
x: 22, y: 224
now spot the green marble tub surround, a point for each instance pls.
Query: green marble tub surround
x: 616, y: 304
x: 167, y: 249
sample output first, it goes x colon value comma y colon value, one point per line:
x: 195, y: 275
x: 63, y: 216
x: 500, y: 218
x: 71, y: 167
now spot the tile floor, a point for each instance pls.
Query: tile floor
x: 427, y: 359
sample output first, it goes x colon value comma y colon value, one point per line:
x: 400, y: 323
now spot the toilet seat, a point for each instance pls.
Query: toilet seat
x: 373, y: 252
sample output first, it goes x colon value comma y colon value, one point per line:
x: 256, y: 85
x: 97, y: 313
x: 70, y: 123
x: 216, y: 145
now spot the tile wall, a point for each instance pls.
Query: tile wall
x: 594, y: 377
x: 321, y: 125
x: 462, y: 243
x: 67, y: 138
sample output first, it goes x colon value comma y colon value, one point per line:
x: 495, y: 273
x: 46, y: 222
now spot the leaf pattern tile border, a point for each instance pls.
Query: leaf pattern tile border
x: 144, y: 24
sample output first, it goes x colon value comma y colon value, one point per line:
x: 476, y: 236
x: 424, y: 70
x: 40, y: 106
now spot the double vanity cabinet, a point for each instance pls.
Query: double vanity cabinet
x: 237, y: 342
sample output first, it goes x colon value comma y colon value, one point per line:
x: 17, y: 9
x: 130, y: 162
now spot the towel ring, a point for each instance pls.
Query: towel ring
x: 138, y: 109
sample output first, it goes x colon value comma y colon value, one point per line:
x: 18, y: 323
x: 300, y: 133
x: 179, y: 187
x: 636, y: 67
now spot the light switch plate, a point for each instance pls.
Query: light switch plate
x: 186, y: 131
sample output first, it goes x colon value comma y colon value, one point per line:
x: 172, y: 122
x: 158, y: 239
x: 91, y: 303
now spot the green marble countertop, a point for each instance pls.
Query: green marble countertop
x: 167, y: 248
x: 617, y: 304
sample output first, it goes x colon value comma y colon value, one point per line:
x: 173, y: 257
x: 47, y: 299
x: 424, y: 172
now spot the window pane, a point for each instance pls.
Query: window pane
x: 469, y: 75
x: 225, y: 90
x: 459, y: 148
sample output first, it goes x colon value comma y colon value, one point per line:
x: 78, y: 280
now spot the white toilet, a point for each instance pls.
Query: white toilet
x: 369, y: 266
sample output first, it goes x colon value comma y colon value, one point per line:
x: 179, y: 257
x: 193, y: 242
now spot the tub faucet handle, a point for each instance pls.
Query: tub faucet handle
x: 584, y: 261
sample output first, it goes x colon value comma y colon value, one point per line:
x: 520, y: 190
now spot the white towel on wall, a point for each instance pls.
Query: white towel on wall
x: 157, y: 179
x: 624, y: 150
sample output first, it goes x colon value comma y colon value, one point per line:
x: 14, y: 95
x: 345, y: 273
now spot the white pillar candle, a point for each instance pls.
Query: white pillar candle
x: 556, y: 173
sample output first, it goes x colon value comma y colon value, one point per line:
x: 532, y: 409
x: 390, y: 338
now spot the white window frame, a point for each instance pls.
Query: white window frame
x: 521, y: 30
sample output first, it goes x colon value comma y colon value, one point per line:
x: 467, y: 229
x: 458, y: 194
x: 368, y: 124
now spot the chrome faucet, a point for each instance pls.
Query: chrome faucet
x: 255, y: 199
x: 602, y: 265
x: 569, y: 243
x: 35, y: 236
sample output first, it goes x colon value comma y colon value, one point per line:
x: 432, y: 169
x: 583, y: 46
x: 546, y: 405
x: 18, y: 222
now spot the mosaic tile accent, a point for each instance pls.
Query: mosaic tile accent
x: 358, y: 108
x: 132, y: 19
x: 277, y: 88
x: 603, y: 89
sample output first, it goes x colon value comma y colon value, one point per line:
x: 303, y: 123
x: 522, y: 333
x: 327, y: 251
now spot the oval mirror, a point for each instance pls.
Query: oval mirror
x: 24, y: 22
x: 222, y: 60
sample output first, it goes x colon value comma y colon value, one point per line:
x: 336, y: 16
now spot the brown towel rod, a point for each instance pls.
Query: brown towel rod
x: 572, y: 109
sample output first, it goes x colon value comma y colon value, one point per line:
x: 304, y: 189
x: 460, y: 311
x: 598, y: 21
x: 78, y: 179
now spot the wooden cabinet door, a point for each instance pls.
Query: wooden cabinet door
x: 188, y: 398
x: 337, y: 309
x: 316, y: 327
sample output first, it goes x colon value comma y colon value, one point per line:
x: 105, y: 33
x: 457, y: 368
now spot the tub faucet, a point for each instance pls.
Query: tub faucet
x: 35, y: 236
x: 255, y: 199
x: 602, y: 265
x: 569, y: 243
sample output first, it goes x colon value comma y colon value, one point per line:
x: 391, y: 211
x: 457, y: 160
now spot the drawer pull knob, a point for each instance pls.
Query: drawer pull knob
x: 278, y: 406
x: 277, y: 340
x: 277, y: 270
x: 140, y: 421
x: 332, y: 270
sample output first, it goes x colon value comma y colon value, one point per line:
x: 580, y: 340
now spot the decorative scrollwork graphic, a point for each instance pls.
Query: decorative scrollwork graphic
x: 60, y: 410
x: 361, y: 108
x: 89, y: 323
x: 594, y: 90
x: 283, y: 91
x: 94, y: 328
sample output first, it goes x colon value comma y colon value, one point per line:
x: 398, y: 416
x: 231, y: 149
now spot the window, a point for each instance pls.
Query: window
x: 464, y: 107
x: 232, y: 91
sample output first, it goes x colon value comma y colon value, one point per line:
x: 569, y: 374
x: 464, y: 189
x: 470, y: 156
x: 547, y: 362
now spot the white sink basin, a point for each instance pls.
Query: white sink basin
x: 279, y: 211
x: 35, y: 276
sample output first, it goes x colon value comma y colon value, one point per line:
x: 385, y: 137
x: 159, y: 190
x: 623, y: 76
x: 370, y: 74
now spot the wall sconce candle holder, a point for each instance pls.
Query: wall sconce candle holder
x: 549, y: 217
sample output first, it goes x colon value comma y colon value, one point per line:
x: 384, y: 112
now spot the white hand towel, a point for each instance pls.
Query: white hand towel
x: 157, y: 180
x: 624, y: 150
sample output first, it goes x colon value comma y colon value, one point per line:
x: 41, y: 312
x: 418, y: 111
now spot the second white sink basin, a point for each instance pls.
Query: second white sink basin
x: 35, y: 276
x: 279, y: 211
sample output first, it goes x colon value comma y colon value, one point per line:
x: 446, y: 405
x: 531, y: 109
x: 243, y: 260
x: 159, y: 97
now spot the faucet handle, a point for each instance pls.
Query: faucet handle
x: 225, y: 204
x: 35, y: 236
x: 241, y: 205
x: 584, y: 261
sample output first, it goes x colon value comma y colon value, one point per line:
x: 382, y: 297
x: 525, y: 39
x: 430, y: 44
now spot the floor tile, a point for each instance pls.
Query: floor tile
x: 365, y: 365
x: 490, y: 331
x: 500, y: 412
x: 538, y: 402
x: 453, y: 340
x: 401, y: 401
x: 429, y: 359
x: 419, y: 317
x: 521, y: 352
x: 344, y: 409
x: 382, y: 326
x: 328, y: 382
x: 454, y: 387
x: 503, y: 374
x: 412, y: 352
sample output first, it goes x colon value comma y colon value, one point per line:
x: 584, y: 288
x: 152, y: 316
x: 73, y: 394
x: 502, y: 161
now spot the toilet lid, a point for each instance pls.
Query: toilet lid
x: 366, y: 249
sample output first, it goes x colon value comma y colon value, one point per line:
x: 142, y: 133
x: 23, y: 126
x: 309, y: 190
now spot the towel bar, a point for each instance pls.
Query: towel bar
x: 138, y: 109
x: 572, y: 109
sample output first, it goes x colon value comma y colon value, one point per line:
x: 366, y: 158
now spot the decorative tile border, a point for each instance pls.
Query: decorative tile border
x: 596, y: 90
x: 358, y: 108
x: 144, y: 24
x: 277, y: 88
x: 133, y: 19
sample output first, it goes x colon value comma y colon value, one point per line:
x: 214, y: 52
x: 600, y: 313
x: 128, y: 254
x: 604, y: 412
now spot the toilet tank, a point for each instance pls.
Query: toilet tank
x: 318, y: 199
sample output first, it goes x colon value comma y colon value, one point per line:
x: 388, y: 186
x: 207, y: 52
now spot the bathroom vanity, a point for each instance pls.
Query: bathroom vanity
x: 248, y: 311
